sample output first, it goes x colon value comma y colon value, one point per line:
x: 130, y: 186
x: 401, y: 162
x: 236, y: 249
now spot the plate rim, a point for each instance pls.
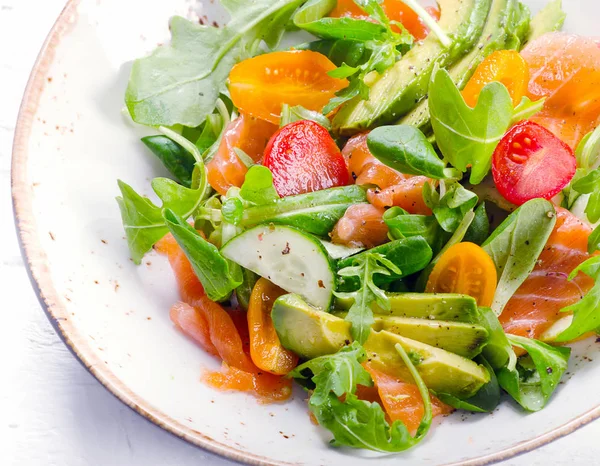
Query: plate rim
x: 38, y: 271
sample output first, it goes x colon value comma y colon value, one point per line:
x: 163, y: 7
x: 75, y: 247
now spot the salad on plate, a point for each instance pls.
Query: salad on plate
x: 390, y: 203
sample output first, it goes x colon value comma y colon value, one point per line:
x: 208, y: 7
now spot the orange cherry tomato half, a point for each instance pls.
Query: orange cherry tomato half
x: 303, y: 158
x: 395, y: 10
x: 465, y: 268
x: 259, y: 86
x: 246, y: 133
x: 265, y: 348
x: 505, y: 66
x: 531, y: 162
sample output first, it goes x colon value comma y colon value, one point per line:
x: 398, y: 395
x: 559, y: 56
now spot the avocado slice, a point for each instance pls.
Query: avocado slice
x: 399, y: 88
x: 464, y: 339
x: 434, y: 306
x: 550, y: 19
x: 441, y: 370
x: 306, y: 331
x: 501, y: 22
x: 310, y: 333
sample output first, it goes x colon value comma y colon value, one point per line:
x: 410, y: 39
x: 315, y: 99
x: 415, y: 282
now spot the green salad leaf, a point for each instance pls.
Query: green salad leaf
x: 174, y: 157
x: 143, y: 221
x: 380, y: 50
x: 484, y: 401
x: 402, y: 225
x: 406, y: 149
x: 586, y: 312
x: 594, y: 241
x: 468, y: 136
x: 339, y: 373
x: 350, y: 52
x: 211, y: 268
x: 516, y: 245
x: 451, y: 204
x: 590, y: 184
x: 536, y: 375
x: 360, y: 315
x: 180, y: 83
x: 527, y: 108
x: 297, y: 113
x: 353, y: 422
x: 410, y: 255
x: 498, y: 351
x: 479, y: 230
x: 588, y: 150
x: 258, y: 186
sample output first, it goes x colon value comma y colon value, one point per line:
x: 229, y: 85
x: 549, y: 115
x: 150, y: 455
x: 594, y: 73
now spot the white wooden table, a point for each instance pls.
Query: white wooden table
x: 52, y: 412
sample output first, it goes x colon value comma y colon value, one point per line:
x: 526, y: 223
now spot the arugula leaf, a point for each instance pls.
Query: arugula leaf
x: 537, y: 375
x: 410, y: 255
x: 479, y: 230
x: 590, y: 184
x: 498, y: 351
x: 143, y: 221
x: 468, y: 136
x: 174, y: 157
x: 588, y: 150
x: 211, y: 268
x: 180, y: 83
x: 339, y: 373
x: 405, y: 149
x: 526, y: 109
x: 516, y: 245
x: 586, y: 312
x: 353, y: 422
x: 381, y: 43
x: 484, y: 401
x: 360, y: 314
x: 450, y: 205
x: 298, y: 113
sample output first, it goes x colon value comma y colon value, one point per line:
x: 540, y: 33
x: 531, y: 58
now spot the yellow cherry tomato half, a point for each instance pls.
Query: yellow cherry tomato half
x: 465, y: 268
x: 505, y: 66
x: 260, y: 86
x: 266, y: 350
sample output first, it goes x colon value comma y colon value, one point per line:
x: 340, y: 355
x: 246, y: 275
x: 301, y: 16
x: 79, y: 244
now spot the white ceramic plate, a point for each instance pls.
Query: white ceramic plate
x: 71, y: 145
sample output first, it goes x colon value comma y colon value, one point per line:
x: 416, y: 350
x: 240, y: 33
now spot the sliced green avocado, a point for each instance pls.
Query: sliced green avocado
x: 433, y: 306
x: 499, y: 25
x: 466, y: 340
x: 550, y: 19
x: 306, y: 331
x: 398, y: 89
x: 310, y: 333
x: 441, y: 370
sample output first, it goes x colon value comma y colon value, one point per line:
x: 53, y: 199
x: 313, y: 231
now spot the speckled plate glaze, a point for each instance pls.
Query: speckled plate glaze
x: 70, y: 147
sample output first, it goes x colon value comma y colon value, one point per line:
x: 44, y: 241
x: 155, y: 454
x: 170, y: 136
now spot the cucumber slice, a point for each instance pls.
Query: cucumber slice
x: 293, y: 260
x: 339, y: 251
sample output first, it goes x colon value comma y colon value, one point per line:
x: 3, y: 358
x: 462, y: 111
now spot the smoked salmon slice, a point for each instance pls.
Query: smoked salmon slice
x: 361, y: 226
x: 565, y: 68
x: 247, y: 133
x: 219, y: 332
x: 402, y: 400
x: 537, y: 303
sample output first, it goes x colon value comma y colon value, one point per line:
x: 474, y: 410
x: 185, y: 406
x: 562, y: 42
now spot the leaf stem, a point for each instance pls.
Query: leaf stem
x: 430, y: 22
x: 183, y: 142
x: 423, y: 390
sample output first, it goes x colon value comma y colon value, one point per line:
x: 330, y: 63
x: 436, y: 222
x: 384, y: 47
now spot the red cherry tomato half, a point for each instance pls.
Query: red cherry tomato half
x: 304, y: 158
x: 531, y: 162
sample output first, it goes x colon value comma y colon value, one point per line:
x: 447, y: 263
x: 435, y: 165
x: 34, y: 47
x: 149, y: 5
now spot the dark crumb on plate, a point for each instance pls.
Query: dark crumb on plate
x: 51, y: 236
